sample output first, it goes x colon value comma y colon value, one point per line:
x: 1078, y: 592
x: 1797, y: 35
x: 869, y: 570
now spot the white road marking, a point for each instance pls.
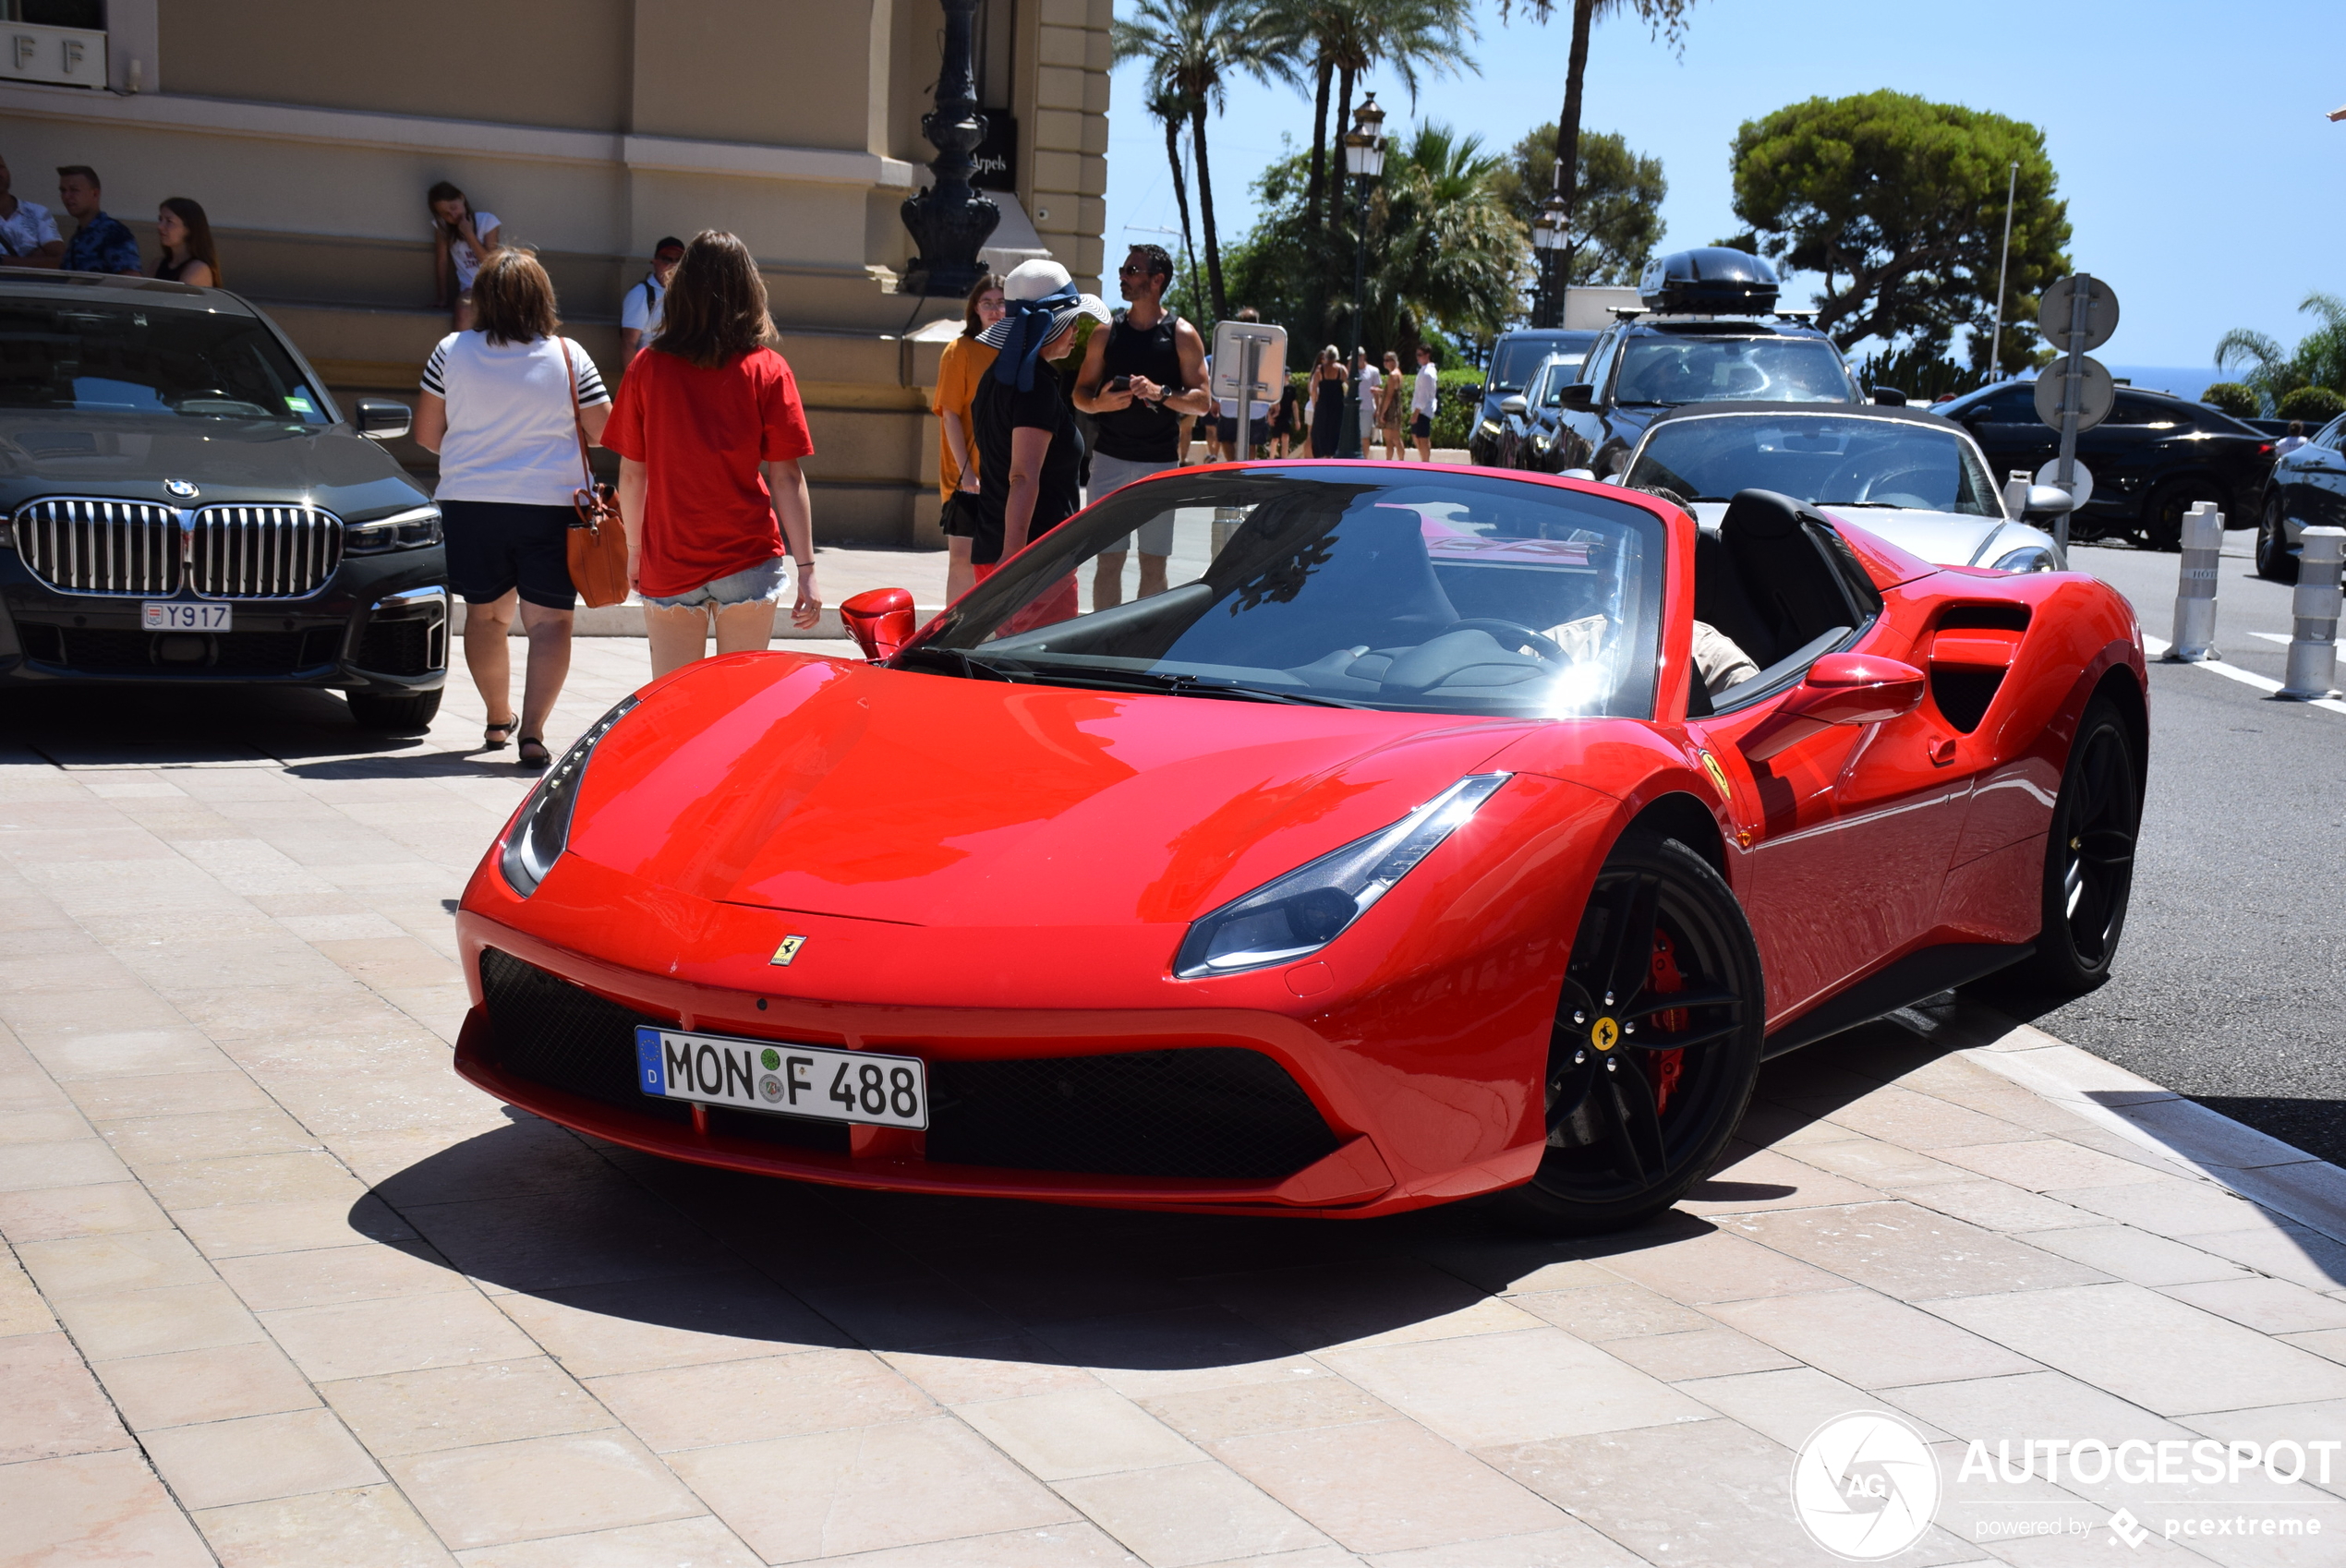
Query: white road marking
x: 2155, y: 647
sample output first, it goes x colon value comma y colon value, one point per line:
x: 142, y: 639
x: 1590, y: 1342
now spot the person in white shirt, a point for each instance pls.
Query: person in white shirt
x: 639, y: 312
x: 462, y: 241
x: 508, y: 407
x: 1422, y: 404
x: 28, y: 235
x: 1368, y: 379
x: 2291, y: 441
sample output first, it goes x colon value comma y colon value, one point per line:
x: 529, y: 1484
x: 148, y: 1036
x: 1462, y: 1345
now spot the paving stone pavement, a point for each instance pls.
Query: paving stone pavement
x: 281, y: 1289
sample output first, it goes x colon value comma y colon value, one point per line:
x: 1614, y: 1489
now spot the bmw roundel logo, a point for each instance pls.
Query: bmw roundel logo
x: 184, y: 488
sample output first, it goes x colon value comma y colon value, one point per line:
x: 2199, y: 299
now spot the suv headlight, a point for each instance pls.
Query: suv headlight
x: 1310, y: 907
x: 411, y: 529
x: 542, y: 830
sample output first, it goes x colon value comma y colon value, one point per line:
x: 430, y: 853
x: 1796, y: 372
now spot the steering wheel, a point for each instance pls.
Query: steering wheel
x: 1543, y: 648
x: 1890, y: 481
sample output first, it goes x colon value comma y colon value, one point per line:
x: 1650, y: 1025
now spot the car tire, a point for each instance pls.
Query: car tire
x: 1633, y: 1123
x: 394, y: 716
x: 2273, y: 560
x: 2162, y: 514
x: 2089, y: 855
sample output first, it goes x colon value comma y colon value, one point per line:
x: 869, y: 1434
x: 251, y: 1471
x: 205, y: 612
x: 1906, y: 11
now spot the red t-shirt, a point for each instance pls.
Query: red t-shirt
x: 702, y: 435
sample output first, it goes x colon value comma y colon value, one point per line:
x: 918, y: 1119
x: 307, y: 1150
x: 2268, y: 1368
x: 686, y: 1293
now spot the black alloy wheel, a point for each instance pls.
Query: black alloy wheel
x: 2162, y: 515
x: 1655, y: 1047
x: 2273, y: 560
x: 2089, y: 856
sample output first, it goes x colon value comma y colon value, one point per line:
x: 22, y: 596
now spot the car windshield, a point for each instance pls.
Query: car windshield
x: 97, y: 358
x: 1824, y: 459
x: 1518, y: 359
x: 1352, y: 587
x: 1762, y: 368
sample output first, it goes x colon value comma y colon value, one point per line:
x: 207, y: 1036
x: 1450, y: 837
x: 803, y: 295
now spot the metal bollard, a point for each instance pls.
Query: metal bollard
x: 2195, y: 593
x: 2313, y: 641
x: 1225, y: 522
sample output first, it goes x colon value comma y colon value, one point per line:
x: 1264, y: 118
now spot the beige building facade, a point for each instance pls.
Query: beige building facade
x: 590, y: 128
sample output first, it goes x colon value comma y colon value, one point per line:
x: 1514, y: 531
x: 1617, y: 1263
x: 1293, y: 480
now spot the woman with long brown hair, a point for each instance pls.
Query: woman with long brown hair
x: 462, y: 243
x: 1329, y: 389
x: 185, y: 233
x: 497, y: 407
x: 709, y: 431
x: 965, y: 360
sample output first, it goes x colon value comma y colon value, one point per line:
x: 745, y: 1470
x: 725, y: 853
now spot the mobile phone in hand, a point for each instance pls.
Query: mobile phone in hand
x: 1120, y: 384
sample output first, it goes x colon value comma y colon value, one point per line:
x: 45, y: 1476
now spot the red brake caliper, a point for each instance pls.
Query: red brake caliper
x: 1666, y: 979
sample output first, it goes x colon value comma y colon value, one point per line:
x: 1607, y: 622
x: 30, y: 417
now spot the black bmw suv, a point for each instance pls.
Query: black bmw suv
x: 1709, y: 331
x: 181, y: 502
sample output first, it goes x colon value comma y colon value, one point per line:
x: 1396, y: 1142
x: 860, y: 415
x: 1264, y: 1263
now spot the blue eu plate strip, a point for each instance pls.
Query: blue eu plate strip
x: 648, y: 1067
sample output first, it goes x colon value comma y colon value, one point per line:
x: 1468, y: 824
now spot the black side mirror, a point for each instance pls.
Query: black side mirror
x: 1889, y: 397
x: 380, y: 419
x: 1580, y: 394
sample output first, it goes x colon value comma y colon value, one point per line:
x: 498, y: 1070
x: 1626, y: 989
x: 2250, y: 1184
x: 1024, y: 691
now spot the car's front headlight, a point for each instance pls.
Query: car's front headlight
x: 1310, y: 907
x: 1490, y: 427
x: 542, y: 830
x: 2027, y: 557
x: 411, y: 529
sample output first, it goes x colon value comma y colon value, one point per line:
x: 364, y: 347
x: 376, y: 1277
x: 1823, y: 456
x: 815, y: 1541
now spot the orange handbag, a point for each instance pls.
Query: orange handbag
x: 597, y: 538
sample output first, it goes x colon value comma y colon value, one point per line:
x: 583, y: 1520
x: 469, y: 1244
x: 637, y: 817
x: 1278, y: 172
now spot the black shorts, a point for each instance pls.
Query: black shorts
x: 1422, y: 427
x: 1258, y: 431
x: 495, y: 546
x: 960, y: 515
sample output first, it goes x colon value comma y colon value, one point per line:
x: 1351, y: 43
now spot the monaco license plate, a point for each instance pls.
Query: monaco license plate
x: 794, y: 1081
x: 170, y: 615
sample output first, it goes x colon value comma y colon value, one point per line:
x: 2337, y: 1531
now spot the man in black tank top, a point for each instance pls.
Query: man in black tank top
x: 1141, y: 379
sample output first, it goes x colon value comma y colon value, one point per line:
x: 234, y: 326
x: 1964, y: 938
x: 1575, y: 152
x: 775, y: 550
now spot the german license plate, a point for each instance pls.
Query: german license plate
x: 795, y: 1081
x: 171, y: 615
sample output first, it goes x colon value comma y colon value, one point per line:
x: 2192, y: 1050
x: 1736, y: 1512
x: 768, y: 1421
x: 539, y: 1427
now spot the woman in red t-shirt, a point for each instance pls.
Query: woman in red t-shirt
x: 709, y: 431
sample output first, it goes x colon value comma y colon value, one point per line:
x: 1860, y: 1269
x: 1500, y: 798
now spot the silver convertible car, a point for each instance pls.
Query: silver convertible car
x: 1913, y: 479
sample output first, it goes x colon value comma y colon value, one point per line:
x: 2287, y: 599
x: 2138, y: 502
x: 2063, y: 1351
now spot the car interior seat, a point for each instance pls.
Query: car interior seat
x: 1376, y: 587
x: 1776, y: 546
x: 1719, y: 601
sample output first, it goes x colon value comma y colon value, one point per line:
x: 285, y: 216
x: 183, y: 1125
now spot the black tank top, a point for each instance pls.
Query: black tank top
x: 1142, y: 433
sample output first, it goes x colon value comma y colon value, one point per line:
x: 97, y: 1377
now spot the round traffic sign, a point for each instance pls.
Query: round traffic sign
x: 2101, y: 314
x: 2095, y: 399
x: 2082, y: 490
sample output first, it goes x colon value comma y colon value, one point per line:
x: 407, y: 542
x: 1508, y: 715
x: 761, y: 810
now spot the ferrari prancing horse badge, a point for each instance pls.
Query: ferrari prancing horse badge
x: 787, y: 951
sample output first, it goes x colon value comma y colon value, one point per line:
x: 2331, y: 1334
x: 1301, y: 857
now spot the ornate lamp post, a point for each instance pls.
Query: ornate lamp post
x: 1551, y: 236
x: 950, y: 220
x: 1364, y: 159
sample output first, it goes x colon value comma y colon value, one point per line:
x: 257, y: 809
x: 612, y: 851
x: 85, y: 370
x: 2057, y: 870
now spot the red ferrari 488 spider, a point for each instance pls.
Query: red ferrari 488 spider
x: 1437, y: 833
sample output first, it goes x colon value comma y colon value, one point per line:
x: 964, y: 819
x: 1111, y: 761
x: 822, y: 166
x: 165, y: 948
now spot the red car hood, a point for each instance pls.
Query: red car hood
x: 789, y: 782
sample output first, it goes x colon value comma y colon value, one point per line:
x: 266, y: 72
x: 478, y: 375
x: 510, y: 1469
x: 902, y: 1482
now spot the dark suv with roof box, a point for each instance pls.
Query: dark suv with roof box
x: 182, y: 503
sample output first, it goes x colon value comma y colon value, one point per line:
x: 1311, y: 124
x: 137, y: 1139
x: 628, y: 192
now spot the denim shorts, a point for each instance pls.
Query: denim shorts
x: 763, y: 581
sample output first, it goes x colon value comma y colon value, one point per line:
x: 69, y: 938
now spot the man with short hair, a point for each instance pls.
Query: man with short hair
x: 28, y: 235
x: 1367, y: 379
x: 2291, y: 441
x: 1422, y: 401
x: 101, y: 244
x: 1140, y: 378
x: 639, y: 312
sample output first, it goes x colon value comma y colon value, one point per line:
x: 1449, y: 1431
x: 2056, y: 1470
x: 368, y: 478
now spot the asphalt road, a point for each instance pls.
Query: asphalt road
x: 2228, y: 987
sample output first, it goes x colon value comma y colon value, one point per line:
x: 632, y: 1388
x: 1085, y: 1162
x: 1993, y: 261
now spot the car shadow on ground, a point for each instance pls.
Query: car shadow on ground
x: 305, y: 732
x: 594, y: 1240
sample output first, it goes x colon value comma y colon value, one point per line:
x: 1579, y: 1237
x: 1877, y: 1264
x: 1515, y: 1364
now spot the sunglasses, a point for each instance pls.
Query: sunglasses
x: 1137, y: 272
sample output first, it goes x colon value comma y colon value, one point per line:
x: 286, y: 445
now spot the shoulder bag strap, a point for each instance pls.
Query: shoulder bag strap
x: 577, y: 421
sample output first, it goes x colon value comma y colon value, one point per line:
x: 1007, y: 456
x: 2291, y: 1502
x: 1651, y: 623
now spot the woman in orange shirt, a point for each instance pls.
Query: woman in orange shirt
x: 966, y: 360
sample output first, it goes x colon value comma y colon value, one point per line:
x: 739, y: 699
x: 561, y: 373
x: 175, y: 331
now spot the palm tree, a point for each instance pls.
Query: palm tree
x: 1193, y: 47
x: 1448, y: 252
x: 2319, y: 360
x: 1341, y: 40
x: 1668, y: 19
x: 1169, y: 110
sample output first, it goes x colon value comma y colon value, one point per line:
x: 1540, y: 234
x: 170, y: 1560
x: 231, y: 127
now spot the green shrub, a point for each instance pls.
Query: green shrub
x: 2233, y: 399
x: 1454, y: 408
x: 2316, y: 405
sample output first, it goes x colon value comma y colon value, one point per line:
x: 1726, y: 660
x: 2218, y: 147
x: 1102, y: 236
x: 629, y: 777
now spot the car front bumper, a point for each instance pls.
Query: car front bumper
x: 380, y: 625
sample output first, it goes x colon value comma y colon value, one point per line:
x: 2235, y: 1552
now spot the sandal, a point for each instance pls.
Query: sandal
x: 533, y: 753
x: 494, y: 734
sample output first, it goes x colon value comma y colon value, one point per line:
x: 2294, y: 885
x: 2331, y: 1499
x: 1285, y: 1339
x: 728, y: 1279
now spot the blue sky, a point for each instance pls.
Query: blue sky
x: 2201, y: 178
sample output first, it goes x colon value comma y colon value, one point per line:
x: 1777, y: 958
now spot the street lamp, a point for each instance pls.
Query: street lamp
x: 1364, y: 160
x: 950, y: 220
x: 1551, y: 236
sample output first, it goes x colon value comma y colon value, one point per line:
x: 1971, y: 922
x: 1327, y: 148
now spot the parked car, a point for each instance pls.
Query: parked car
x: 1516, y: 359
x: 1896, y: 473
x: 2152, y: 460
x: 1711, y: 333
x: 2308, y: 487
x: 1528, y: 419
x: 1395, y: 856
x: 181, y: 501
